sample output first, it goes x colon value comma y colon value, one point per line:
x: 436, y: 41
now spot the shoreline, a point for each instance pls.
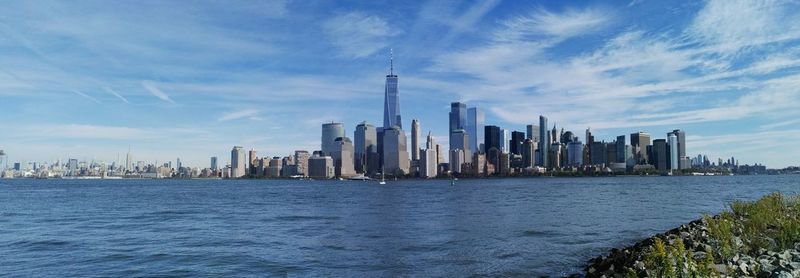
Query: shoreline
x: 754, y: 239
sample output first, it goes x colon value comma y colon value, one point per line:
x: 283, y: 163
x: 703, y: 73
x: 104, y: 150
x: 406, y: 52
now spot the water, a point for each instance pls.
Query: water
x: 495, y: 227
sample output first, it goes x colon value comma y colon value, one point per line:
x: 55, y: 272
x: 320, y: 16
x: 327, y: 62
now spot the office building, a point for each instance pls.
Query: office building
x: 330, y: 131
x: 321, y: 167
x: 391, y: 100
x: 517, y: 138
x: 475, y: 128
x: 395, y: 152
x: 672, y: 140
x: 491, y: 138
x: 342, y: 156
x: 456, y: 160
x: 640, y: 142
x: 459, y: 140
x: 428, y: 165
x: 365, y: 148
x: 301, y: 160
x: 253, y: 166
x: 575, y: 154
x: 598, y: 155
x: 458, y: 121
x: 238, y: 162
x: 660, y: 155
x: 505, y: 137
x: 214, y: 165
x: 544, y: 144
x: 415, y: 140
x: 620, y: 149
x: 529, y: 148
x: 533, y: 133
x: 683, y: 161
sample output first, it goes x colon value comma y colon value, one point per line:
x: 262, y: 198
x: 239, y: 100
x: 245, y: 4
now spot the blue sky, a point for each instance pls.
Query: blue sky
x: 190, y: 79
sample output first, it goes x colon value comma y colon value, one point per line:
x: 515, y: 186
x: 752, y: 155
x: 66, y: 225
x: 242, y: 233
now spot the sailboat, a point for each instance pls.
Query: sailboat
x: 383, y: 180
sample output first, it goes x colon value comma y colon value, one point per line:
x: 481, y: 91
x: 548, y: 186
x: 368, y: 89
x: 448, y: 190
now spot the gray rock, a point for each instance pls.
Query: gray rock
x: 743, y: 268
x: 699, y: 256
x: 793, y: 265
x: 781, y: 274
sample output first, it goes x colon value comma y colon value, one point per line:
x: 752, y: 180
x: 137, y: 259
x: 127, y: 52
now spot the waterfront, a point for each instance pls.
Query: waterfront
x: 506, y: 227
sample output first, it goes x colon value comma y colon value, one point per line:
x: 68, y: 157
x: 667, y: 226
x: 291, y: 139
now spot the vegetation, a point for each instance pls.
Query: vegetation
x: 769, y: 224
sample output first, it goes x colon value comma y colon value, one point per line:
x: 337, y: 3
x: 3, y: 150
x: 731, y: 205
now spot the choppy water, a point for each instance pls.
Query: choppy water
x: 496, y: 227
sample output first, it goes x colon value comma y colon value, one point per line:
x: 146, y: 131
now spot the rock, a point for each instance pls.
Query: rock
x: 793, y: 265
x: 744, y: 269
x: 699, y: 256
x: 781, y: 274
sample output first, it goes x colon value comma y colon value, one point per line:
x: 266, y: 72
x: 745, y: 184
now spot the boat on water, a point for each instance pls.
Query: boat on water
x: 383, y: 180
x: 360, y: 177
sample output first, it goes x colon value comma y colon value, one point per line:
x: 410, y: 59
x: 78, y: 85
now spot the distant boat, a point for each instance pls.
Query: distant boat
x: 383, y: 180
x: 359, y: 178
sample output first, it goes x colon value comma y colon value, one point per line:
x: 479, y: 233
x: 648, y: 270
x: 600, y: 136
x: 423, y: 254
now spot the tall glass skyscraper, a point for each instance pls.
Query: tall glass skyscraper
x: 544, y: 144
x: 475, y: 122
x: 458, y: 121
x: 391, y: 102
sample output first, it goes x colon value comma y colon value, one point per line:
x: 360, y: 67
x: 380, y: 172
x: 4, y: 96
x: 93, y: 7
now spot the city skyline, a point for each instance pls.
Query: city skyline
x: 732, y: 96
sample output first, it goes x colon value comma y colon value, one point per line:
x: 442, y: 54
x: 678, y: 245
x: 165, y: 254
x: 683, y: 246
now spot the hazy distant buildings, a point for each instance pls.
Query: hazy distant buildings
x: 238, y: 162
x: 330, y: 131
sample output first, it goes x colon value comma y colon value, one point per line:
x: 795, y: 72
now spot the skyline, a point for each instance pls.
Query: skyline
x: 83, y: 87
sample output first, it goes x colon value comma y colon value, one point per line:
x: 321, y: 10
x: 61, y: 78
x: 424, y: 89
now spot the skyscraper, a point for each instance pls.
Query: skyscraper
x: 458, y: 121
x: 427, y: 165
x: 129, y: 160
x: 575, y: 154
x: 491, y: 138
x: 214, y: 165
x: 673, y: 151
x: 660, y: 154
x: 253, y: 170
x: 330, y: 132
x: 301, y: 160
x: 533, y: 133
x: 517, y: 138
x: 391, y: 102
x: 640, y: 142
x: 544, y: 144
x: 459, y: 141
x: 681, y: 137
x: 365, y: 148
x: 395, y: 151
x: 238, y: 162
x: 505, y: 138
x: 415, y: 140
x: 620, y: 149
x: 342, y: 156
x: 475, y: 123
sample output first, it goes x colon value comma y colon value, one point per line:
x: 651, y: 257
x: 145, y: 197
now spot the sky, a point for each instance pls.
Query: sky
x: 191, y: 79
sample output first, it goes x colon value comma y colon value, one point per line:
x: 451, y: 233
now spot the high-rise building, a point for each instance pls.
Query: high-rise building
x: 620, y: 149
x: 456, y: 160
x: 598, y: 155
x: 415, y: 140
x: 178, y: 164
x: 342, y: 156
x: 491, y: 138
x: 129, y: 160
x: 330, y: 132
x: 395, y: 151
x: 660, y: 154
x: 238, y: 162
x: 680, y: 135
x: 365, y: 148
x: 575, y: 154
x: 458, y: 121
x: 640, y: 142
x: 321, y: 167
x: 672, y: 139
x: 459, y: 140
x: 529, y: 153
x: 475, y: 129
x: 214, y: 165
x: 3, y: 162
x: 427, y: 165
x: 517, y: 139
x: 391, y: 102
x: 505, y: 138
x: 533, y: 133
x: 544, y: 144
x: 555, y: 155
x: 301, y: 160
x: 253, y: 155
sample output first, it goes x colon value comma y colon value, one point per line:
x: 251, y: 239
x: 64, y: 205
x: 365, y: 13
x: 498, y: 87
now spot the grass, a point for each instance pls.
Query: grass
x: 771, y: 223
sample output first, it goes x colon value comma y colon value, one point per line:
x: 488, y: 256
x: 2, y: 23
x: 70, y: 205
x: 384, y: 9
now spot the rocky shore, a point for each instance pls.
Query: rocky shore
x: 754, y: 239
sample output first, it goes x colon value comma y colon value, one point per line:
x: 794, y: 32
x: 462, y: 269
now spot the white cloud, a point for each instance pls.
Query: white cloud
x: 252, y: 114
x: 114, y: 93
x: 86, y: 96
x: 542, y: 22
x: 357, y: 34
x: 155, y: 91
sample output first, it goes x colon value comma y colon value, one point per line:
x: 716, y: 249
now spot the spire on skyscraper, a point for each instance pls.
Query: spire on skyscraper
x: 391, y: 61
